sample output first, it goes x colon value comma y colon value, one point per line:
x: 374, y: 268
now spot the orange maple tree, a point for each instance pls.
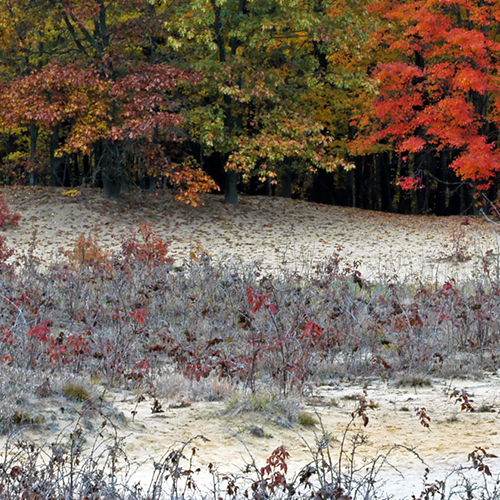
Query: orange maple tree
x: 438, y: 88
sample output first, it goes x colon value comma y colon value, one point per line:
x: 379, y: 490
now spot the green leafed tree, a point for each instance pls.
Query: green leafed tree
x: 267, y: 93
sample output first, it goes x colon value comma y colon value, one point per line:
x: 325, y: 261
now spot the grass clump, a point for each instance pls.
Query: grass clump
x: 25, y: 418
x: 307, y: 419
x: 486, y: 408
x: 411, y: 380
x: 76, y: 392
x: 265, y: 403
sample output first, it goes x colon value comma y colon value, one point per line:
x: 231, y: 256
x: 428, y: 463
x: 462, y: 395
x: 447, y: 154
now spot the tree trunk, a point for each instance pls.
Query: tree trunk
x: 111, y: 183
x: 351, y: 182
x: 231, y: 193
x: 286, y: 181
x: 34, y: 129
x: 112, y: 173
x: 87, y: 169
x: 442, y: 196
x: 55, y: 161
x: 74, y: 173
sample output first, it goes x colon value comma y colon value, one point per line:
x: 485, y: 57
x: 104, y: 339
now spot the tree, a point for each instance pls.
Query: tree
x: 253, y: 106
x: 28, y: 43
x: 438, y: 90
x: 114, y: 97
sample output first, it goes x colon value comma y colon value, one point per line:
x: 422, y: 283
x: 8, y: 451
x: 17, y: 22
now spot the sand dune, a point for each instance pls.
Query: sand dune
x: 273, y: 231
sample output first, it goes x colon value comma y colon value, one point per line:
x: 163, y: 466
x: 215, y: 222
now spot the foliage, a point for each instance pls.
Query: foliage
x: 265, y: 87
x: 150, y: 249
x: 109, y: 101
x: 6, y: 215
x: 5, y: 251
x: 169, y: 94
x: 436, y: 88
x: 86, y: 251
x: 129, y: 117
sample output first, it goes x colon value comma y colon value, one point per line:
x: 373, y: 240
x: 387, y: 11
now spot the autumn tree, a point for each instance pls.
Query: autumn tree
x: 254, y: 106
x: 438, y: 88
x: 340, y: 48
x: 113, y: 94
x: 29, y: 42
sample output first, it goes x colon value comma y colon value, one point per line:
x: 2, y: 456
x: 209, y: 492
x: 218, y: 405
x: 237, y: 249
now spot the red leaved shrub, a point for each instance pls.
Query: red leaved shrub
x: 7, y: 216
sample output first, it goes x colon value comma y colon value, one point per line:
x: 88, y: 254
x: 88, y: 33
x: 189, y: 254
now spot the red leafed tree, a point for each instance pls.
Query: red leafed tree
x: 129, y: 117
x: 111, y: 95
x: 438, y: 89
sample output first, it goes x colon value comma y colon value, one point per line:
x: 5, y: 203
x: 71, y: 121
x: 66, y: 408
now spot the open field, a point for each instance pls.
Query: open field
x: 252, y: 355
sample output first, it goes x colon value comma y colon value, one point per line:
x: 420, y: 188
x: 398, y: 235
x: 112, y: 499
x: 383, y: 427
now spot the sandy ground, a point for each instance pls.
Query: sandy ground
x: 294, y: 233
x: 451, y: 436
x: 274, y: 231
x: 229, y: 444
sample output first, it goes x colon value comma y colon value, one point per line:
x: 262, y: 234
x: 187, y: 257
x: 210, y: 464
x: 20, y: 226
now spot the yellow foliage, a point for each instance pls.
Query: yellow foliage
x: 72, y: 193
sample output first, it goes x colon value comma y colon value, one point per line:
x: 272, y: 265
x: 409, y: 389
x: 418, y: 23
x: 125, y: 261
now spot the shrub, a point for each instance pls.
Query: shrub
x: 6, y: 214
x: 86, y: 251
x: 145, y: 246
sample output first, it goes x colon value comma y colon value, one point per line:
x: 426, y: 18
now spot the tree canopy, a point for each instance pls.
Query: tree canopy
x: 376, y: 103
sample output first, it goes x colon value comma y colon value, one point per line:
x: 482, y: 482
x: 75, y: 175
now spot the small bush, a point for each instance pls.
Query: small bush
x: 86, y: 251
x: 6, y: 215
x: 145, y: 246
x: 24, y: 418
x: 486, y: 408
